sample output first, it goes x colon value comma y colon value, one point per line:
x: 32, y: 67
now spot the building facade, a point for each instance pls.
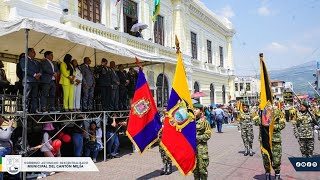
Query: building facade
x: 278, y: 88
x: 205, y: 40
x: 247, y: 89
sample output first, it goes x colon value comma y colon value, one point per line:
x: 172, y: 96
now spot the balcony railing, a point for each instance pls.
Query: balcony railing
x: 124, y: 38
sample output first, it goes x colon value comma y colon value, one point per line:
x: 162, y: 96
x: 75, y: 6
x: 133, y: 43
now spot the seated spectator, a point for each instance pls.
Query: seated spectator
x: 5, y: 144
x: 94, y: 142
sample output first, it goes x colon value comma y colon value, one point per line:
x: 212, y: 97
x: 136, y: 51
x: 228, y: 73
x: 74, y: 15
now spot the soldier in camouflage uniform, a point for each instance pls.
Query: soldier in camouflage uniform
x: 167, y: 163
x: 246, y: 126
x: 203, y: 135
x: 303, y: 127
x: 279, y: 124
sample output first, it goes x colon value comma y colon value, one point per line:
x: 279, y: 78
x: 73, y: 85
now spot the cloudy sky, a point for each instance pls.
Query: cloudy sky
x: 286, y: 31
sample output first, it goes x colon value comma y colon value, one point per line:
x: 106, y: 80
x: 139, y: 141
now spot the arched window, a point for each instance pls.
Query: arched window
x: 223, y: 94
x: 196, y: 88
x: 162, y: 90
x: 211, y: 93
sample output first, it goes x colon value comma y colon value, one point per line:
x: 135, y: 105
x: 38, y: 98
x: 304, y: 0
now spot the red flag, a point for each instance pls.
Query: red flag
x: 144, y: 121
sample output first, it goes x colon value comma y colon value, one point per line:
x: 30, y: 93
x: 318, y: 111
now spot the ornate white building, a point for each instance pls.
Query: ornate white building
x: 98, y: 28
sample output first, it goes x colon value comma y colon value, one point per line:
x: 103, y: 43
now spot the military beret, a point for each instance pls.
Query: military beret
x: 197, y: 105
x: 305, y: 104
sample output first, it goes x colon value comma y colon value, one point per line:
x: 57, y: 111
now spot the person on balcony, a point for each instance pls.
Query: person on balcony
x: 77, y: 85
x: 88, y: 84
x: 104, y: 84
x: 34, y: 73
x: 48, y: 82
x: 139, y: 34
x: 67, y: 80
x: 123, y: 91
x: 115, y: 82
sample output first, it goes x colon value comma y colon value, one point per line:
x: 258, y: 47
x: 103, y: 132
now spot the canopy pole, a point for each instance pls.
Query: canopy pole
x: 162, y: 99
x: 95, y: 57
x: 24, y: 103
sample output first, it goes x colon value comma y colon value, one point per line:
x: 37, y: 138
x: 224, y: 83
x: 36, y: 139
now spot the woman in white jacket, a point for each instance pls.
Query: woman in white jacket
x: 77, y: 85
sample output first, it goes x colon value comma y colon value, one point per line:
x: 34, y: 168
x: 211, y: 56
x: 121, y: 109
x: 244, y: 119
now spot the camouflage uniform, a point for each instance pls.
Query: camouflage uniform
x: 279, y: 124
x: 303, y: 130
x: 167, y: 163
x: 246, y: 126
x: 203, y: 135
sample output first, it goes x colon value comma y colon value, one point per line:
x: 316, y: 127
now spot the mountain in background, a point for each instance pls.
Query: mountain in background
x: 299, y: 75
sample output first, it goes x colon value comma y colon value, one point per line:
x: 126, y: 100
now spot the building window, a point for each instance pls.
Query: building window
x: 236, y: 86
x: 223, y: 94
x: 241, y: 86
x: 130, y: 15
x: 162, y: 90
x: 196, y: 88
x: 221, y: 56
x: 90, y: 10
x: 209, y: 50
x: 159, y: 31
x: 248, y: 88
x: 194, y: 45
x: 211, y: 93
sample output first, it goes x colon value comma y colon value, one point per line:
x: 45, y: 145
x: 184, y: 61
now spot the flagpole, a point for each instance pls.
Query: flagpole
x: 314, y: 89
x: 162, y: 99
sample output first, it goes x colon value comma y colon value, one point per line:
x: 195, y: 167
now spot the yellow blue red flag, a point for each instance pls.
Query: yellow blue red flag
x: 266, y: 107
x: 144, y: 121
x: 179, y: 131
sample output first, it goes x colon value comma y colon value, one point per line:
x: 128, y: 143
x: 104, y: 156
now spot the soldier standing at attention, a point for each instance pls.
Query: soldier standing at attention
x: 303, y: 127
x: 279, y: 124
x: 203, y: 135
x: 167, y: 163
x: 246, y: 126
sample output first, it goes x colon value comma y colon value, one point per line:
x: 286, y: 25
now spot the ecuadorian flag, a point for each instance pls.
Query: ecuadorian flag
x: 1, y: 159
x: 144, y: 121
x: 156, y: 11
x: 266, y: 107
x: 179, y: 131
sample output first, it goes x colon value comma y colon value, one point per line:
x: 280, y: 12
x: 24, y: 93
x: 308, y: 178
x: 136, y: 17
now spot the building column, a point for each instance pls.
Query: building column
x: 229, y: 63
x: 181, y: 25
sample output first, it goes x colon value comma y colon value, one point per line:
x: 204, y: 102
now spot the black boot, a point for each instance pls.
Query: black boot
x: 268, y: 176
x: 169, y: 168
x: 246, y: 152
x: 250, y: 150
x: 164, y: 170
x: 277, y: 177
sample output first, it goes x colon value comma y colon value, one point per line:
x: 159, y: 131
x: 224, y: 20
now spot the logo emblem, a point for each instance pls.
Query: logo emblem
x: 141, y: 107
x: 180, y: 115
x: 267, y: 115
x: 13, y: 164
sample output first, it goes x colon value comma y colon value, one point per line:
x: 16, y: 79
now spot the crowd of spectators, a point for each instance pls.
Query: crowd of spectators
x: 76, y: 87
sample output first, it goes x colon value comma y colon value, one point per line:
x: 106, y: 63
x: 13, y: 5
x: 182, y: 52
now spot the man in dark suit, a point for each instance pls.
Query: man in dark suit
x: 48, y: 82
x: 115, y: 82
x: 33, y: 78
x: 4, y: 83
x: 123, y: 91
x: 104, y: 84
x: 88, y: 84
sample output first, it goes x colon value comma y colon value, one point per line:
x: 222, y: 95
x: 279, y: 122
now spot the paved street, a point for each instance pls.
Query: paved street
x: 226, y: 161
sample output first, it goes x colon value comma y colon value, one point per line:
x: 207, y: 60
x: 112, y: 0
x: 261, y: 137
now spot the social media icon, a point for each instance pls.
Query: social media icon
x: 303, y: 164
x: 298, y: 164
x: 314, y: 164
x: 308, y: 164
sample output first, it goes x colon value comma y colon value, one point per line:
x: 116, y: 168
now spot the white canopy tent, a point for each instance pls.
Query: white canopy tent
x: 61, y: 39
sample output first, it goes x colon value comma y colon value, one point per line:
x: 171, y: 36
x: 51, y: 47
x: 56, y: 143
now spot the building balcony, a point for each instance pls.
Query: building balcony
x: 158, y: 51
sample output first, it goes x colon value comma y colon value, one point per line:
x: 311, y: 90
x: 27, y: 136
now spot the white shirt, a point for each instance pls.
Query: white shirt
x: 52, y: 66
